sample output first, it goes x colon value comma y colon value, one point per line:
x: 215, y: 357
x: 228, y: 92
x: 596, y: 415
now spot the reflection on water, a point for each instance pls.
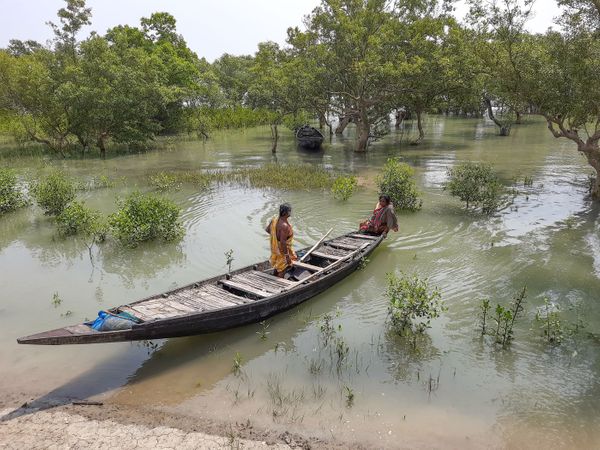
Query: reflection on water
x: 452, y: 389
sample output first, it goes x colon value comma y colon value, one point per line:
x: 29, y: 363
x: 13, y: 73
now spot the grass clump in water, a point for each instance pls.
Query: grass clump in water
x: 53, y: 192
x: 145, y: 217
x: 504, y: 318
x: 284, y: 176
x: 11, y: 197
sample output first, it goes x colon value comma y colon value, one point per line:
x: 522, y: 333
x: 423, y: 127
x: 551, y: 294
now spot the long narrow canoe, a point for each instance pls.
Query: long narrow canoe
x: 247, y: 295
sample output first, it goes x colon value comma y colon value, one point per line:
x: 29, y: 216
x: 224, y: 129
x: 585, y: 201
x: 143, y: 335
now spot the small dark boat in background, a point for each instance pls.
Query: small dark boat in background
x: 309, y: 137
x: 246, y: 295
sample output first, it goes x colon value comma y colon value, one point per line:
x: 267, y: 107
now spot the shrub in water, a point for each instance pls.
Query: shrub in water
x: 76, y: 218
x: 397, y: 182
x: 477, y: 185
x: 145, y: 217
x: 53, y: 192
x: 412, y: 304
x: 11, y: 196
x: 343, y: 187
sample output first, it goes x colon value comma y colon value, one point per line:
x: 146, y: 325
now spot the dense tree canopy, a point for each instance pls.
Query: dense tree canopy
x: 356, y: 61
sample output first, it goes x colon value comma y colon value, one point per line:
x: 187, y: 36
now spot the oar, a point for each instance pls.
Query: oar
x: 316, y: 245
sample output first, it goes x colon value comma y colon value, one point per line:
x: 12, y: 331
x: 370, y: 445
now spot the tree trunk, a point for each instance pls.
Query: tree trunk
x: 274, y: 137
x: 420, y: 127
x: 518, y: 121
x: 344, y: 121
x: 504, y: 129
x: 364, y: 129
x: 592, y: 153
x: 101, y: 146
x: 322, y: 121
x: 400, y: 115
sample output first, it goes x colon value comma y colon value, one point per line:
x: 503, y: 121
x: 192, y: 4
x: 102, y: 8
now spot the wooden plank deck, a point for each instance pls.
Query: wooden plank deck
x: 307, y: 266
x: 243, y: 287
x: 327, y: 255
x: 364, y: 236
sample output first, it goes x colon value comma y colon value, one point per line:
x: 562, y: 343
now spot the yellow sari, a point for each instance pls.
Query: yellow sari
x: 277, y: 260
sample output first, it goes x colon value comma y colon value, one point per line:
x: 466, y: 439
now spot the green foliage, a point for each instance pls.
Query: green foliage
x: 237, y: 364
x: 164, y: 181
x: 550, y: 323
x: 344, y: 186
x: 284, y: 176
x: 412, y: 303
x: 77, y: 219
x: 397, y: 182
x: 56, y: 300
x: 504, y: 318
x: 53, y: 192
x: 477, y: 185
x: 11, y: 196
x: 229, y: 259
x: 145, y: 217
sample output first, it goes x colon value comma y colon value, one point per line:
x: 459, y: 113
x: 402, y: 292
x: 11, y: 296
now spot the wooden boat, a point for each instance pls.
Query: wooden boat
x: 309, y: 137
x: 244, y: 296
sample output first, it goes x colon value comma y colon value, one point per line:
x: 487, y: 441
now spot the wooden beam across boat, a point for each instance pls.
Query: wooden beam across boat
x: 247, y: 295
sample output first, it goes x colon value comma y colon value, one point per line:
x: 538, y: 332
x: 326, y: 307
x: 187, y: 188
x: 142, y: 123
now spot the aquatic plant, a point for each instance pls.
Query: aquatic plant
x: 485, y: 310
x: 477, y: 185
x: 397, y: 182
x: 144, y: 217
x: 263, y: 333
x: 528, y: 181
x: 326, y: 329
x: 237, y: 364
x: 315, y: 366
x: 53, y: 192
x: 349, y: 394
x: 412, y: 303
x: 164, y: 181
x: 362, y: 265
x: 505, y: 318
x: 11, y: 197
x: 229, y: 259
x: 283, y: 176
x: 343, y: 187
x: 550, y: 322
x: 77, y: 218
x: 56, y: 300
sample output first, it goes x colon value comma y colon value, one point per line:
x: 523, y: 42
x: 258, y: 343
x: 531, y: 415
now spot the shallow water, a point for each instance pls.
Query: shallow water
x: 456, y: 389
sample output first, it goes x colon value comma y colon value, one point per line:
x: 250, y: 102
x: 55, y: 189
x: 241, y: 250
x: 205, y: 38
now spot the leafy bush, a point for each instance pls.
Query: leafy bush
x: 412, y: 303
x: 397, y: 182
x: 145, y: 217
x: 477, y: 185
x: 53, y: 192
x: 343, y: 187
x: 11, y: 196
x: 76, y: 218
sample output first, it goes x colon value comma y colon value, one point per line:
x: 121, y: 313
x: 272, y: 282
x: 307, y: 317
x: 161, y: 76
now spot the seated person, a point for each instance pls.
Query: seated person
x: 383, y: 219
x: 281, y: 236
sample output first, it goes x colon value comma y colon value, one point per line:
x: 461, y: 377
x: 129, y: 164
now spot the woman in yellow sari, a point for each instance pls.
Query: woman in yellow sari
x: 282, y: 238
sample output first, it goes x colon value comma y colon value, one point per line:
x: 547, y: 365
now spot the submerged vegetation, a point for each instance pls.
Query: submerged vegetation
x: 477, y: 185
x: 504, y: 318
x: 397, y: 181
x: 144, y: 217
x: 53, y: 192
x: 11, y: 196
x: 343, y: 187
x: 412, y: 303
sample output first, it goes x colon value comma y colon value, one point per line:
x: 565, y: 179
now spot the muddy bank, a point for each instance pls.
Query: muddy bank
x: 110, y: 426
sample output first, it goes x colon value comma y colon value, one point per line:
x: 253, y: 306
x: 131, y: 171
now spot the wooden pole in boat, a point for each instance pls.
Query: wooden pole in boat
x: 316, y: 245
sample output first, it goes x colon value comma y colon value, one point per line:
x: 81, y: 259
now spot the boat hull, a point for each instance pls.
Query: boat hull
x: 208, y: 321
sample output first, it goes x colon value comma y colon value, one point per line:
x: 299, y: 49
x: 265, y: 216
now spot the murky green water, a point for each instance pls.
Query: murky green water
x: 455, y: 390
